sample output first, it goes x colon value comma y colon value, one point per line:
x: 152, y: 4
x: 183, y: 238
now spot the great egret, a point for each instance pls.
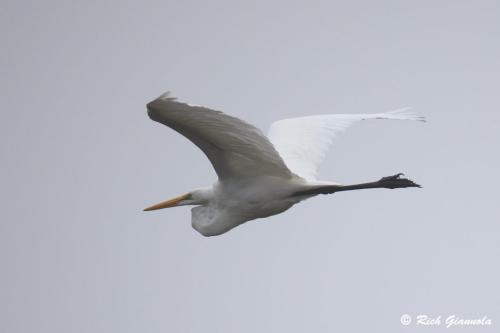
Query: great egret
x: 259, y: 176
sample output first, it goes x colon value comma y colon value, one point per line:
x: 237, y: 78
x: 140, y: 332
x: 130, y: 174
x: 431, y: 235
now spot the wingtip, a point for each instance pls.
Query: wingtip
x: 166, y: 96
x: 405, y: 114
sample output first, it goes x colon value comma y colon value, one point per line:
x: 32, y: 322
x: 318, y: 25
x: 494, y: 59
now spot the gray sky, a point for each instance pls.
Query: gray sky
x: 80, y: 159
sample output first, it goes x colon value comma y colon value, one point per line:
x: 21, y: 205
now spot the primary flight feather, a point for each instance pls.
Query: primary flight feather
x: 259, y: 176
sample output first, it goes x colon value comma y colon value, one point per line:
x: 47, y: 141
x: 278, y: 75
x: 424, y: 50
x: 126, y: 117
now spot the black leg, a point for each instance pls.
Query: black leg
x: 390, y: 182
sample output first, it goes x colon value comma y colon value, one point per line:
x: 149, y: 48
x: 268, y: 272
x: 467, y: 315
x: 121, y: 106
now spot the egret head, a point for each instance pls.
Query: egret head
x: 195, y: 197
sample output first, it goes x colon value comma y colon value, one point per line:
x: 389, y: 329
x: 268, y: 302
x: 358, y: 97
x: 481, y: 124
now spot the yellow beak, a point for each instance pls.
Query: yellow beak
x: 169, y: 203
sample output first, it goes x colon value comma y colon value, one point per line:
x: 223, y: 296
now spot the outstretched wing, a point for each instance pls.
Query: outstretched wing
x: 235, y: 148
x: 303, y: 142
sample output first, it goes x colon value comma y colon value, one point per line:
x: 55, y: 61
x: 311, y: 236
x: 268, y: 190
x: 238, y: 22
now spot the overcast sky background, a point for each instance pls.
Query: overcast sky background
x: 80, y: 159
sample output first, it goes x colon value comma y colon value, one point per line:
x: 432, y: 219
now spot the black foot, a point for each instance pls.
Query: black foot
x: 396, y: 182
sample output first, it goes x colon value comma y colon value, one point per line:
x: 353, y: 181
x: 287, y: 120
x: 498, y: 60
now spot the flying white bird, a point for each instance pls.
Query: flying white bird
x: 259, y: 176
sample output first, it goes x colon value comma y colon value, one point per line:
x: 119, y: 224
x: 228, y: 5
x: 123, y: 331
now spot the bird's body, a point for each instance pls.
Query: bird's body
x: 235, y: 202
x: 258, y: 177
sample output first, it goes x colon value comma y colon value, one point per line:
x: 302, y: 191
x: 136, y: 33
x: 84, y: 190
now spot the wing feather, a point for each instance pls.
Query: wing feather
x: 303, y: 142
x: 235, y: 148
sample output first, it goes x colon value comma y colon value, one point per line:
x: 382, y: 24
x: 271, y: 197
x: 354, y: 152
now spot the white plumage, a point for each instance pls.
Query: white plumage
x: 235, y: 148
x: 304, y: 141
x: 259, y: 176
